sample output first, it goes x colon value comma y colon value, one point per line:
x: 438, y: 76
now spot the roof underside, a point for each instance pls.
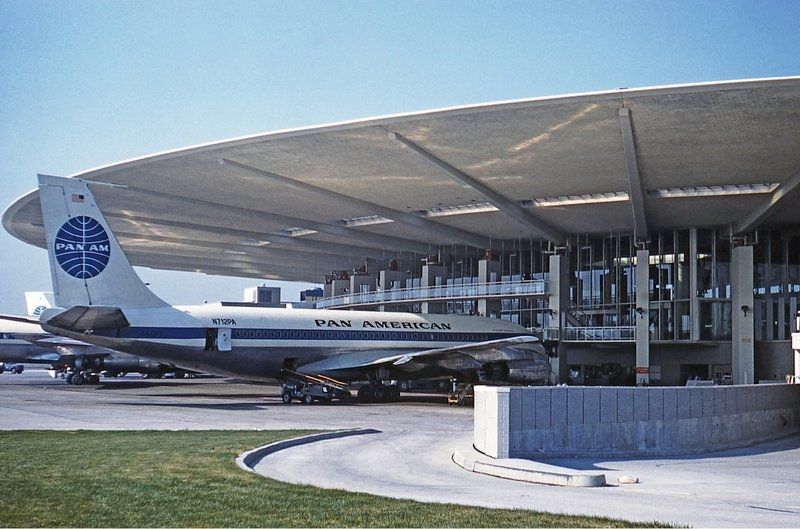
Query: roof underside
x: 188, y: 210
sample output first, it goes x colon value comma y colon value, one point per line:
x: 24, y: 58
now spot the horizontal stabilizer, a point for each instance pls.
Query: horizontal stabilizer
x: 90, y: 319
x: 19, y: 319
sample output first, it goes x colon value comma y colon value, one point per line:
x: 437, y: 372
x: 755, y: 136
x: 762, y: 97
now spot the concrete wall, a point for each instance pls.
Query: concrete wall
x: 536, y: 421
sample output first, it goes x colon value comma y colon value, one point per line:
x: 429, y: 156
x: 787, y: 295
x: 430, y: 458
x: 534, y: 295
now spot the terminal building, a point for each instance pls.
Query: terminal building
x: 654, y: 233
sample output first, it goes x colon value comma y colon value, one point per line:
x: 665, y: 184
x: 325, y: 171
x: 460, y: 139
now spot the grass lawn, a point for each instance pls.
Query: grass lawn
x: 189, y: 479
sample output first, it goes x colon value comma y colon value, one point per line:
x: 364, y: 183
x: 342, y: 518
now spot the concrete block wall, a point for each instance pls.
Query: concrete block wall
x: 533, y: 421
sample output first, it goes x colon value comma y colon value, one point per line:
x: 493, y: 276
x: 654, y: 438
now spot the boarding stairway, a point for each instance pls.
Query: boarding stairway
x: 460, y: 393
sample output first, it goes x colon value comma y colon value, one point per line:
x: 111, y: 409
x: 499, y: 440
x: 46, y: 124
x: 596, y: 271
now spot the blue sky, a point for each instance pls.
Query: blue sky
x: 87, y: 83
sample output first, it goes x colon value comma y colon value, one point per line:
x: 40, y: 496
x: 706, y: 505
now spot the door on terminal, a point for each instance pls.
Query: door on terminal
x: 694, y: 372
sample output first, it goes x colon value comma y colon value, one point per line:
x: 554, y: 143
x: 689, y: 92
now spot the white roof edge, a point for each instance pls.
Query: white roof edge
x: 12, y: 209
x: 475, y: 107
x: 390, y: 118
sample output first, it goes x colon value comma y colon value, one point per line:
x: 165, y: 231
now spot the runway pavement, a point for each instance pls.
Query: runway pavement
x: 410, y: 457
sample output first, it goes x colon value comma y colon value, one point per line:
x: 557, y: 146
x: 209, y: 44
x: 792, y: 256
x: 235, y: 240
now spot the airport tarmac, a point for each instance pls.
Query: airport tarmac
x: 410, y: 457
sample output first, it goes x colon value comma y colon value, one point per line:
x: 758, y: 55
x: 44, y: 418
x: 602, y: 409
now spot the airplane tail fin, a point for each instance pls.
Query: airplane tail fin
x: 87, y: 265
x: 37, y: 302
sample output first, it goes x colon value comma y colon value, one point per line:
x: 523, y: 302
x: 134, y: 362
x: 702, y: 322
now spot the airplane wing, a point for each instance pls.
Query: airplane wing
x: 43, y: 358
x: 458, y: 350
x: 466, y: 356
x: 53, y: 341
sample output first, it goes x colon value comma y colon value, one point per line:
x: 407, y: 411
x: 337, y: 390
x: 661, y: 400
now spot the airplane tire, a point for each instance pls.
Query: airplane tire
x: 286, y: 397
x: 77, y: 379
x: 17, y: 370
x: 377, y: 393
x: 308, y: 399
x: 68, y: 379
x: 363, y: 394
x: 393, y: 393
x: 94, y: 379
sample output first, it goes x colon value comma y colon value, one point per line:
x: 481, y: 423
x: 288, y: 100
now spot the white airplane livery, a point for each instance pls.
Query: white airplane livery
x: 102, y: 301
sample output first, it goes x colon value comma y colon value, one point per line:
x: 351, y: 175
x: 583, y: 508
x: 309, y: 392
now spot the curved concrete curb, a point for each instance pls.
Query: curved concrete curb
x: 248, y: 460
x: 531, y: 476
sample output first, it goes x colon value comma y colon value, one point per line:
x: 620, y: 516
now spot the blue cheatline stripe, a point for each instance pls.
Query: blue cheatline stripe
x: 185, y: 333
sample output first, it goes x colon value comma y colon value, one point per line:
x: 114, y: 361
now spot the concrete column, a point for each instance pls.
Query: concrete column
x: 694, y: 302
x: 558, y: 303
x: 340, y: 287
x: 488, y: 272
x: 642, y: 317
x: 433, y: 276
x: 387, y: 277
x: 385, y: 280
x: 491, y: 421
x: 742, y: 360
x: 358, y: 281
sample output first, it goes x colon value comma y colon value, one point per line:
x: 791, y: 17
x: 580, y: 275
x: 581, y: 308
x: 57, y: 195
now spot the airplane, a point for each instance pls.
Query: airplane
x: 22, y: 341
x: 103, y: 302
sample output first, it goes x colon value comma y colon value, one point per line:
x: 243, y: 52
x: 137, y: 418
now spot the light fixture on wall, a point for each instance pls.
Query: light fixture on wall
x: 745, y: 309
x: 640, y: 312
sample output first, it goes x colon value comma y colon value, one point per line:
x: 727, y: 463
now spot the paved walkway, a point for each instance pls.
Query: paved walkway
x: 758, y: 486
x: 410, y: 457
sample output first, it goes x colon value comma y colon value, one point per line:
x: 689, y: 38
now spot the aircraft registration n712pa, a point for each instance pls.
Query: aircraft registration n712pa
x: 103, y: 301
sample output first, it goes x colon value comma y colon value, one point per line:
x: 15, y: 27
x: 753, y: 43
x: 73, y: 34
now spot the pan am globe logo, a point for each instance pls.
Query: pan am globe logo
x: 82, y: 247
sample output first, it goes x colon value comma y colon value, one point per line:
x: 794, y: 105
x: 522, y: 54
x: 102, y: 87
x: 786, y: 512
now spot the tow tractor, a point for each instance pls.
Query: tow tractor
x: 311, y: 388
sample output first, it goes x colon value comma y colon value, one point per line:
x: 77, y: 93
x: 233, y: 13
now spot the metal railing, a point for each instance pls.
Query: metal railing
x: 500, y: 289
x: 599, y: 334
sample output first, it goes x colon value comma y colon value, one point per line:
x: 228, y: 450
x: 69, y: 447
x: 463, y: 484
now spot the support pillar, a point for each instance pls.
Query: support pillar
x: 340, y: 287
x: 388, y: 280
x: 358, y: 282
x: 694, y: 302
x: 642, y: 317
x: 433, y: 276
x: 488, y: 272
x: 558, y: 303
x: 742, y: 349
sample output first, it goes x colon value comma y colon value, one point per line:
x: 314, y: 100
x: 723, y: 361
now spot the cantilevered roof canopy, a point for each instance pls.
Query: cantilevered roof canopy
x: 294, y: 204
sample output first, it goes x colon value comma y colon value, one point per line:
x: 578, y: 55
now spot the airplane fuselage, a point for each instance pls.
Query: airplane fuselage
x: 255, y: 342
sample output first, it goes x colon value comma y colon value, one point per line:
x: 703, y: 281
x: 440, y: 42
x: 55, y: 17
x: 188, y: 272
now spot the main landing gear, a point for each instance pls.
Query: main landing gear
x: 378, y: 392
x: 79, y: 378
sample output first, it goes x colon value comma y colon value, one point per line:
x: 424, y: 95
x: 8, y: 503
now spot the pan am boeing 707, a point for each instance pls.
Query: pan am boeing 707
x: 102, y: 301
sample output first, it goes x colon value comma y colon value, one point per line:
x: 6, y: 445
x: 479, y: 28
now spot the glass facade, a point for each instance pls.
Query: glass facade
x: 776, y: 283
x: 689, y: 291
